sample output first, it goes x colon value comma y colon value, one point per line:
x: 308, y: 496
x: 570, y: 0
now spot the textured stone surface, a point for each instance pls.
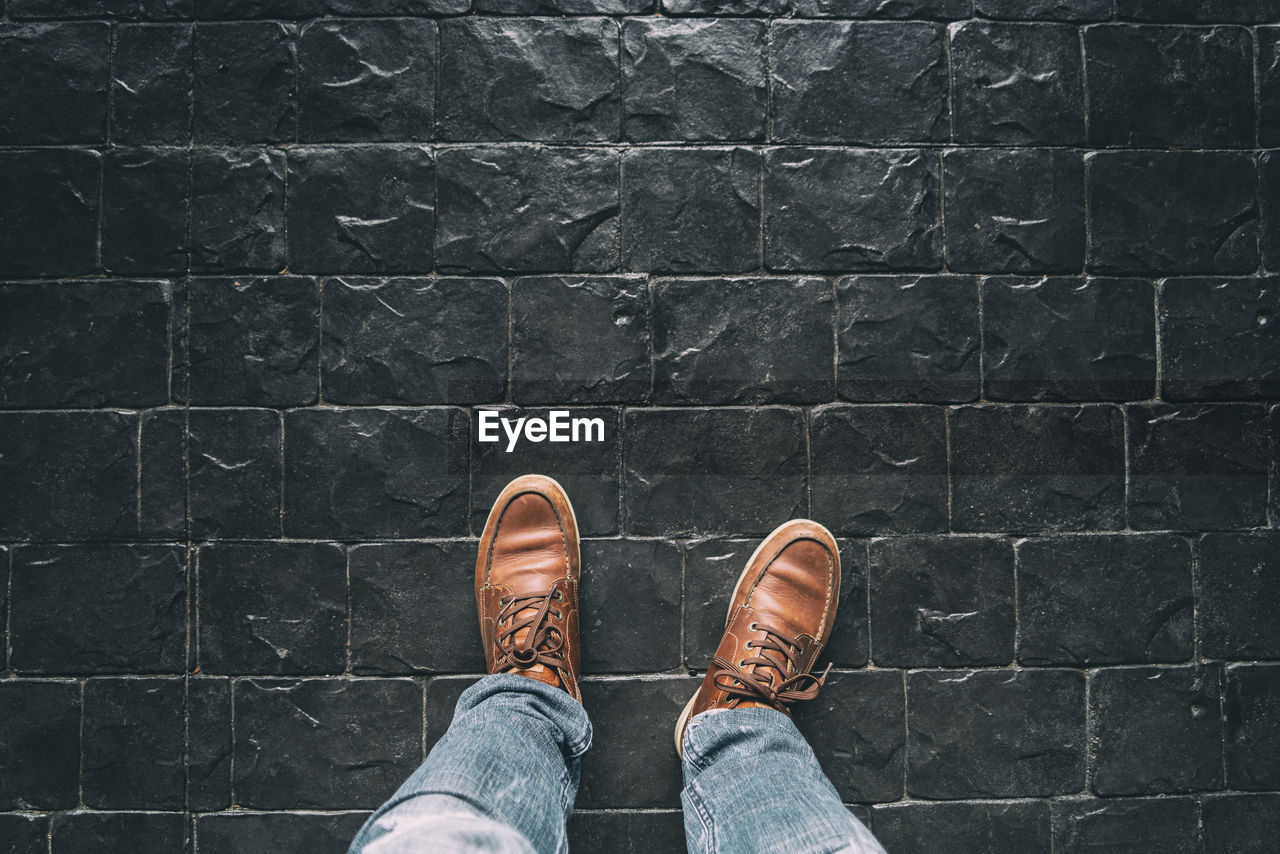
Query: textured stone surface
x: 1054, y: 10
x: 1220, y: 338
x: 1252, y: 711
x: 839, y: 210
x: 234, y: 472
x: 369, y: 80
x: 28, y: 833
x: 369, y: 473
x: 1104, y: 599
x: 857, y: 728
x: 40, y: 743
x: 144, y: 211
x: 151, y: 84
x: 580, y: 339
x: 208, y: 708
x: 712, y: 470
x: 254, y: 340
x: 1172, y: 212
x: 693, y: 80
x: 855, y: 82
x: 1170, y: 86
x: 742, y: 341
x: 557, y: 7
x: 1016, y: 211
x: 272, y: 608
x: 1238, y: 823
x: 691, y: 210
x: 123, y: 9
x: 1197, y: 11
x: 414, y: 341
x: 995, y: 733
x: 98, y: 609
x: 940, y: 9
x: 530, y: 79
x: 879, y: 469
x: 1025, y: 468
x: 627, y: 832
x: 969, y: 827
x: 362, y: 210
x: 942, y: 602
x: 907, y: 338
x: 84, y: 344
x: 245, y: 831
x: 133, y: 735
x: 237, y: 210
x: 1155, y: 729
x: 144, y: 833
x: 724, y: 7
x: 162, y: 482
x: 1017, y: 83
x: 55, y: 88
x: 1239, y: 599
x: 630, y: 606
x: 245, y: 82
x: 324, y: 743
x: 49, y: 202
x: 1268, y: 58
x: 1068, y: 339
x: 527, y: 210
x: 1125, y: 825
x: 1197, y: 466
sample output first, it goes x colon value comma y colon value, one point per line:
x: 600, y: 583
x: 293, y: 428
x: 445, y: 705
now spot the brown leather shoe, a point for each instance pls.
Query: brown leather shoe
x: 527, y: 584
x: 780, y: 617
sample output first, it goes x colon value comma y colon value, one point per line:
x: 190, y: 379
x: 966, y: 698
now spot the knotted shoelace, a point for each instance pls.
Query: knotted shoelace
x: 542, y: 641
x: 739, y: 681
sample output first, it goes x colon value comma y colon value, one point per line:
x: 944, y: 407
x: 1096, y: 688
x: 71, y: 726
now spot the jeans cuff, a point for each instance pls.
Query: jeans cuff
x: 553, y: 704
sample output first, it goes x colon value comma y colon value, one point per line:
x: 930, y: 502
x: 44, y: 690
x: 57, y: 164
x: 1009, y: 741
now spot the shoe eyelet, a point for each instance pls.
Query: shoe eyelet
x: 749, y: 645
x: 742, y: 663
x: 753, y: 627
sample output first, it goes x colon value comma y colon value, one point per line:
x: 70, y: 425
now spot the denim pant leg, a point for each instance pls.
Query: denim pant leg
x: 752, y: 784
x: 502, y: 779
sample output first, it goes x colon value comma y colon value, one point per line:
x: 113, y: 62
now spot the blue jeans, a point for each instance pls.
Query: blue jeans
x: 503, y: 779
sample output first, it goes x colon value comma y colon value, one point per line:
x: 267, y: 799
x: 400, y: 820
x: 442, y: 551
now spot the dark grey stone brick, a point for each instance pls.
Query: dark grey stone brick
x: 134, y: 733
x: 324, y: 743
x: 413, y: 608
x: 588, y: 470
x: 908, y: 338
x: 1053, y: 10
x: 691, y: 210
x: 247, y: 832
x: 1029, y: 468
x: 742, y: 341
x: 1017, y: 83
x: 55, y: 88
x: 84, y: 343
x: 857, y: 729
x: 361, y: 210
x: 532, y: 210
x: 1125, y: 825
x: 237, y: 210
x: 1237, y: 594
x: 272, y: 608
x: 1104, y: 599
x: 141, y: 833
x: 1220, y: 339
x: 414, y: 341
x: 144, y: 211
x: 1014, y: 211
x: 1201, y: 466
x: 40, y: 743
x: 632, y: 762
x: 994, y: 733
x: 254, y: 340
x: 28, y: 833
x: 119, y: 9
x: 1195, y: 11
x: 441, y: 700
x: 693, y: 80
x: 879, y: 469
x: 1240, y: 824
x: 1253, y: 722
x: 1172, y: 212
x: 580, y: 339
x: 1069, y: 339
x: 49, y: 204
x: 972, y: 827
x: 368, y: 80
x: 691, y: 471
x: 208, y: 743
x: 842, y: 210
x: 939, y: 9
x: 532, y: 79
x: 712, y: 569
x: 942, y: 602
x: 630, y: 606
x: 859, y: 82
x: 152, y: 84
x: 1269, y: 203
x: 234, y: 472
x: 627, y: 832
x: 162, y: 484
x: 239, y: 9
x: 68, y: 475
x: 245, y: 82
x: 1170, y: 86
x: 724, y: 7
x: 560, y: 7
x: 369, y: 473
x: 1268, y: 75
x: 1156, y: 729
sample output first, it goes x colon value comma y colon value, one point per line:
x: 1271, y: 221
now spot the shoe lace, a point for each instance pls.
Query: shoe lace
x: 542, y: 640
x: 752, y: 678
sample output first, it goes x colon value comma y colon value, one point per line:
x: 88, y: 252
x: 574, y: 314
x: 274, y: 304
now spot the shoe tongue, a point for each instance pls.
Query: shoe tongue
x: 540, y: 672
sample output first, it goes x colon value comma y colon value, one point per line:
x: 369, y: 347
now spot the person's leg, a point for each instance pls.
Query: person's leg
x: 503, y: 778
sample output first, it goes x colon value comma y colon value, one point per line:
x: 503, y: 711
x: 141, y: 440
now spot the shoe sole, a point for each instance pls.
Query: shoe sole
x: 688, y: 707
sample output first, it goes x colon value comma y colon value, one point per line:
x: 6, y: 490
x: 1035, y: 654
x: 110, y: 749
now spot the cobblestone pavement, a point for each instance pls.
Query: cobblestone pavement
x: 980, y: 284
